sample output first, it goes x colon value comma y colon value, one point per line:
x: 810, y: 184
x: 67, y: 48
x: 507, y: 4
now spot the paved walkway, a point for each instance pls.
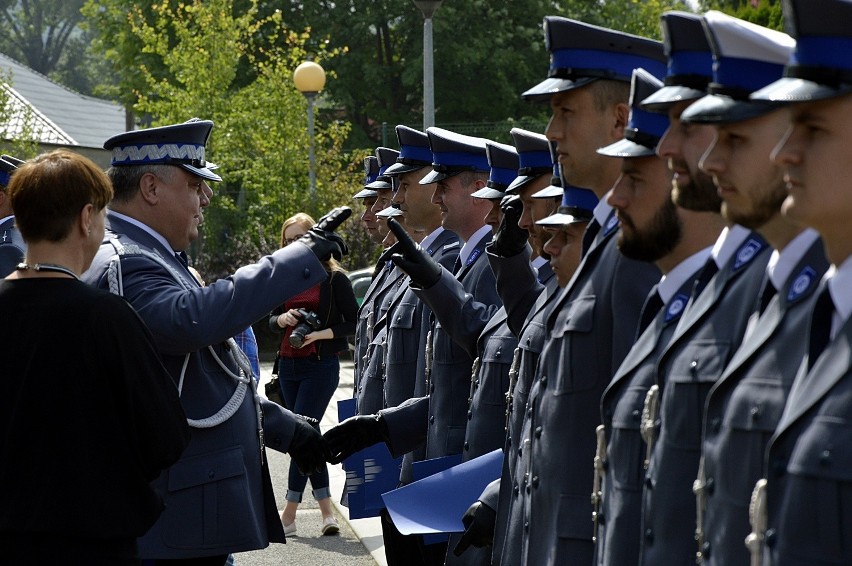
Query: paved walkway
x: 359, y: 542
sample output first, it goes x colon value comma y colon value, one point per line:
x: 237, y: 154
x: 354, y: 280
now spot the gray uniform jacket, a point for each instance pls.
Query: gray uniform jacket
x: 473, y: 303
x: 407, y: 328
x: 219, y: 496
x: 620, y: 512
x: 516, y: 281
x: 808, y: 465
x: 370, y: 390
x: 590, y: 330
x: 12, y: 247
x: 366, y: 320
x: 705, y: 340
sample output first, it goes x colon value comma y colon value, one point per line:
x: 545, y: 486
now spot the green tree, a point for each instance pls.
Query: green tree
x: 196, y: 50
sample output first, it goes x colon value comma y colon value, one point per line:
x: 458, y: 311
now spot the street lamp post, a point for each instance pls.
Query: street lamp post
x: 428, y: 8
x: 309, y: 78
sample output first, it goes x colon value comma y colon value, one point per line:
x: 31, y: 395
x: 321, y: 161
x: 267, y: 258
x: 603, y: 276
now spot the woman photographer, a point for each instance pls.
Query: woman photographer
x: 316, y: 324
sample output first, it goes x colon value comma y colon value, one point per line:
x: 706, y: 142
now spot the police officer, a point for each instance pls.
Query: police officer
x: 370, y: 391
x: 744, y: 406
x: 807, y: 473
x: 160, y: 183
x: 594, y: 318
x: 12, y: 245
x: 526, y: 288
x: 459, y: 168
x: 703, y: 342
x: 679, y: 242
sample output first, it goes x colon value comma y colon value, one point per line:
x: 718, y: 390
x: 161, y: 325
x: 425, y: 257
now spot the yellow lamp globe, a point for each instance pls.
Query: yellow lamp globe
x: 309, y: 77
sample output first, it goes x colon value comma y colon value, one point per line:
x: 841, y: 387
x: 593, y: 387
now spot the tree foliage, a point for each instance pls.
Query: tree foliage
x: 192, y: 54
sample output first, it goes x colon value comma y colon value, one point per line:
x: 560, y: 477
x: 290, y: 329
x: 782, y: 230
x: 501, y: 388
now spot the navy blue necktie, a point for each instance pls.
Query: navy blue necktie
x: 820, y: 326
x: 181, y: 257
x: 589, y: 235
x: 652, y: 306
x: 707, y: 272
x: 769, y: 291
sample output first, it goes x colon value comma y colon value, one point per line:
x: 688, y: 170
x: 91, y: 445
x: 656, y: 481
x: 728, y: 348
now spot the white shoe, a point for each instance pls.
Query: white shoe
x: 288, y: 529
x: 329, y: 526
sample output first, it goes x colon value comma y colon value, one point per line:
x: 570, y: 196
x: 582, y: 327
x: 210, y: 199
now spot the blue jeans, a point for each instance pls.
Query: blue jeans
x: 307, y: 385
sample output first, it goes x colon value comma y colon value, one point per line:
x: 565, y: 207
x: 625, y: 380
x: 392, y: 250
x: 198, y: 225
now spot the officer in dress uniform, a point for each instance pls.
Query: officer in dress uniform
x: 370, y: 392
x: 678, y: 240
x: 800, y: 511
x: 459, y: 168
x: 744, y: 406
x: 593, y: 321
x: 12, y: 245
x: 161, y: 189
x: 368, y: 198
x: 706, y: 336
x: 408, y: 317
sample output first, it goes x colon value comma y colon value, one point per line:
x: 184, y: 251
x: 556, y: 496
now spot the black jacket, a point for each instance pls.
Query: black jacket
x: 338, y: 310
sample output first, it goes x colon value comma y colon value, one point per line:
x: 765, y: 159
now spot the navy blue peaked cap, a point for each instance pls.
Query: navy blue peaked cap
x: 534, y: 158
x: 503, y: 160
x: 386, y: 157
x: 182, y: 145
x: 371, y: 172
x: 746, y: 58
x: 7, y: 167
x: 577, y: 206
x: 821, y: 66
x: 414, y: 151
x: 581, y: 53
x: 555, y: 188
x: 690, y: 61
x: 454, y: 153
x: 644, y: 129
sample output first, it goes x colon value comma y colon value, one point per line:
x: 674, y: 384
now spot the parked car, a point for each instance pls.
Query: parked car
x: 361, y: 279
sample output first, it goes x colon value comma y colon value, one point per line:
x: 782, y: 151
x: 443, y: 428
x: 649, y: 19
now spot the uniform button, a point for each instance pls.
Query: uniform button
x: 529, y: 411
x: 649, y: 483
x: 399, y: 318
x: 211, y: 474
x: 693, y: 367
x: 544, y: 381
x: 528, y: 340
x: 755, y: 413
x: 649, y: 536
x: 710, y: 486
x: 770, y: 537
x: 825, y: 458
x: 516, y: 490
x: 432, y: 419
x: 466, y: 446
x: 521, y: 453
x: 538, y: 432
x: 636, y: 414
x: 306, y: 273
x: 499, y: 352
x: 526, y: 526
x: 469, y: 415
x: 432, y: 388
x: 535, y: 482
x: 705, y: 550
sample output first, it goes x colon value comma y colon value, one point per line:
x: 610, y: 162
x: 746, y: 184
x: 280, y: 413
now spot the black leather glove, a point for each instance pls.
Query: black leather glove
x: 354, y: 434
x: 412, y: 259
x: 479, y: 521
x: 322, y: 240
x: 510, y: 239
x: 307, y: 449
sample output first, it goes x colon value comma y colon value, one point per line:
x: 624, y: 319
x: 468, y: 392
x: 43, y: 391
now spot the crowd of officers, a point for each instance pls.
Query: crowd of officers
x: 644, y: 307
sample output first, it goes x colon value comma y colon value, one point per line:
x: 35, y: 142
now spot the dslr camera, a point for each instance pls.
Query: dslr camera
x: 308, y: 322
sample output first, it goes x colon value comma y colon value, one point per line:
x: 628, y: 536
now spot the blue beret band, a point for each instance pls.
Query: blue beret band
x: 823, y: 51
x: 745, y: 74
x: 415, y: 155
x: 691, y: 63
x: 459, y: 160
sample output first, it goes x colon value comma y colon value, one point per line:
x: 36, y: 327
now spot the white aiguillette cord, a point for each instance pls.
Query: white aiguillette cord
x: 46, y: 267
